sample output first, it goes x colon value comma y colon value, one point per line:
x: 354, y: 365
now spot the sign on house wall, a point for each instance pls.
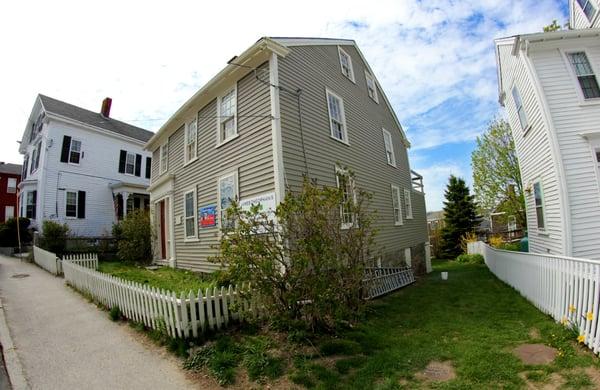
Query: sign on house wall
x: 267, y: 203
x: 208, y: 216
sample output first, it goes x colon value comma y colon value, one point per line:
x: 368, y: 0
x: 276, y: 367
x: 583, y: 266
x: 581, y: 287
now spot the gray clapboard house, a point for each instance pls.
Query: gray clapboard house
x: 283, y: 108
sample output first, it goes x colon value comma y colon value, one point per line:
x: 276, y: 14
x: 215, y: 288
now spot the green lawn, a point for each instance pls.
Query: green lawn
x: 472, y: 320
x: 167, y: 278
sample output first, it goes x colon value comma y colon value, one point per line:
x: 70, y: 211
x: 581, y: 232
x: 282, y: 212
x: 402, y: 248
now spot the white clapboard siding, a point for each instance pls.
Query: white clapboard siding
x: 47, y: 260
x: 185, y: 316
x: 566, y: 288
x: 380, y: 281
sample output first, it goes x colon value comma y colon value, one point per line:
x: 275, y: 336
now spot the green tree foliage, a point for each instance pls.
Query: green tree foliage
x: 134, y: 235
x: 305, y: 269
x: 54, y: 237
x: 554, y: 26
x: 496, y: 175
x: 460, y: 217
x: 9, y: 235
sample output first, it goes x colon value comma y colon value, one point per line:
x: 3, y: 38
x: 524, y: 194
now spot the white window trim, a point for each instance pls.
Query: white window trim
x: 341, y: 171
x: 8, y: 187
x: 126, y: 155
x: 368, y: 76
x: 408, y: 203
x: 340, y: 52
x: 385, y: 132
x: 70, y: 150
x: 594, y: 17
x: 528, y: 125
x: 565, y: 54
x: 540, y: 229
x: 193, y: 237
x: 346, y: 140
x: 185, y: 143
x: 76, y: 203
x: 235, y: 117
x: 160, y: 158
x: 399, y: 200
x: 235, y: 174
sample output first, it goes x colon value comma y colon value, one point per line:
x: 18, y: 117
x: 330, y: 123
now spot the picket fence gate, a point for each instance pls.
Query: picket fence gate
x: 566, y: 288
x: 185, y: 316
x: 379, y: 281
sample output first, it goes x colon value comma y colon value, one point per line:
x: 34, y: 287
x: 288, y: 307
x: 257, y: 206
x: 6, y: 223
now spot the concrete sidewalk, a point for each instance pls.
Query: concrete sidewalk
x: 65, y: 342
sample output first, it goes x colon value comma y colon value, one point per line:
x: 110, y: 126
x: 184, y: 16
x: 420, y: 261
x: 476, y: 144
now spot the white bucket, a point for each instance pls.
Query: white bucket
x: 444, y: 275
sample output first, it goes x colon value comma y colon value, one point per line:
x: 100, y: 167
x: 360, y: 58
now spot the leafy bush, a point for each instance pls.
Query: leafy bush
x: 54, y: 237
x: 115, y: 313
x: 9, y: 235
x: 315, y: 278
x: 496, y: 241
x: 134, y: 235
x: 471, y: 259
x: 511, y: 246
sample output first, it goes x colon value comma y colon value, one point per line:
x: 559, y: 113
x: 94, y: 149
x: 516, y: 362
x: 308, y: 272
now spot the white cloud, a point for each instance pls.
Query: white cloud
x: 435, y: 179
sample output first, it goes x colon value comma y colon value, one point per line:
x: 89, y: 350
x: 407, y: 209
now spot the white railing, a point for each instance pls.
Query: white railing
x: 47, y: 260
x: 566, y: 288
x: 380, y: 281
x: 87, y: 260
x: 181, y: 317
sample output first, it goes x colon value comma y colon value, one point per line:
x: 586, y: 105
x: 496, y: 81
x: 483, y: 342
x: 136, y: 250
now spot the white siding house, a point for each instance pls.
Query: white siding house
x: 584, y: 14
x: 548, y: 83
x: 81, y: 168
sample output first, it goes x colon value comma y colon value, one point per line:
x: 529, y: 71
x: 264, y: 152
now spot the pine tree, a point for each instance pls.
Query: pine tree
x: 460, y: 216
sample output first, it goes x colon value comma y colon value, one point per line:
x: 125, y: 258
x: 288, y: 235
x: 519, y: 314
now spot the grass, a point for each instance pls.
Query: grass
x: 167, y: 278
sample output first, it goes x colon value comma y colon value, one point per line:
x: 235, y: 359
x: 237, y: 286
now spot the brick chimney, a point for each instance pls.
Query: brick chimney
x: 105, y: 111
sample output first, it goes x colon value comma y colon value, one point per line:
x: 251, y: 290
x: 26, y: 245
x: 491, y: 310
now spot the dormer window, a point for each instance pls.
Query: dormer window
x: 588, y: 8
x: 346, y: 64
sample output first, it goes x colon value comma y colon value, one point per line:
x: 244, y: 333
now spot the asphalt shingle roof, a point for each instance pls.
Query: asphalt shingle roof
x: 94, y: 118
x: 13, y: 169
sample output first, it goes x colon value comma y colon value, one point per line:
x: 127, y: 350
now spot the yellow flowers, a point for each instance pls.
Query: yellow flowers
x: 581, y: 338
x: 589, y: 316
x: 564, y: 321
x: 572, y: 309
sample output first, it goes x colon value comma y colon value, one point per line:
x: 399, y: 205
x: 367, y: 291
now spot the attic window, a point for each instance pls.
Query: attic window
x: 346, y: 64
x: 371, y: 88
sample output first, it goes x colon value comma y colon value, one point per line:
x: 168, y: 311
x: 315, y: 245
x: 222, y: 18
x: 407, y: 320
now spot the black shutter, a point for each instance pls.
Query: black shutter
x: 33, y: 208
x: 148, y: 167
x: 80, y: 204
x: 66, y: 146
x: 122, y: 159
x: 119, y: 207
x: 136, y: 203
x: 138, y: 164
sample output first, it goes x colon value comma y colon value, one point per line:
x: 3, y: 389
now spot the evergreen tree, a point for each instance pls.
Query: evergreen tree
x: 460, y: 216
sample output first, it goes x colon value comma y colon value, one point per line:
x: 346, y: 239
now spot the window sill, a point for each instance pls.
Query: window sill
x: 191, y: 240
x: 191, y: 161
x: 375, y: 100
x: 542, y: 232
x: 226, y: 141
x: 339, y: 140
x: 399, y: 224
x: 411, y: 217
x: 392, y: 165
x: 589, y: 102
x: 349, y: 78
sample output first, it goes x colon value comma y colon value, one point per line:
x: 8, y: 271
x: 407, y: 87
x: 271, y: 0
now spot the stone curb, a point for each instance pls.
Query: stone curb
x: 11, y: 360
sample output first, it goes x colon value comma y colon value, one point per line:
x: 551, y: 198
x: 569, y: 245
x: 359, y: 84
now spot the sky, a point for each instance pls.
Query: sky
x: 433, y: 58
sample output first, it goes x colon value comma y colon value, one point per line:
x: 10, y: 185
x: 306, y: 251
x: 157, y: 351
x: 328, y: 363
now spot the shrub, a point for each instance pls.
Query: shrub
x: 9, y: 237
x: 115, y: 313
x: 135, y: 237
x: 496, y: 241
x: 467, y: 238
x: 511, y: 246
x: 54, y: 237
x: 471, y: 259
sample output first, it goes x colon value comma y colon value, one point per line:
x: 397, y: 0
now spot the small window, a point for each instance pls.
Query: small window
x: 346, y: 64
x: 520, y: 109
x: 9, y: 212
x: 189, y: 213
x: 346, y: 183
x: 337, y: 119
x: 588, y: 8
x: 228, y: 192
x: 227, y: 116
x: 71, y: 204
x: 35, y: 159
x: 75, y: 151
x: 539, y: 205
x: 389, y: 148
x: 397, y: 205
x: 585, y: 75
x: 164, y: 158
x: 11, y: 185
x: 191, y: 131
x: 31, y: 204
x: 130, y: 164
x: 408, y: 204
x: 371, y: 87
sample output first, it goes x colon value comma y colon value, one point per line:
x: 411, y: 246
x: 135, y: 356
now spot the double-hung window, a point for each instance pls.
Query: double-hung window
x: 35, y: 159
x: 191, y: 132
x: 337, y: 118
x: 345, y: 183
x: 408, y: 204
x: 371, y: 87
x: 539, y: 205
x: 130, y: 163
x: 520, y: 109
x: 11, y: 185
x: 189, y: 214
x: 588, y: 8
x: 346, y: 64
x: 71, y: 150
x: 397, y: 205
x: 30, y: 205
x: 164, y: 158
x: 228, y: 192
x: 389, y: 148
x: 227, y: 116
x: 71, y: 204
x: 585, y: 75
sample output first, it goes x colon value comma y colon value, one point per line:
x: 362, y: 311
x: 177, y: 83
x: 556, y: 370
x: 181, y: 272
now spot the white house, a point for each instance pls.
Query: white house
x: 548, y: 83
x: 81, y: 167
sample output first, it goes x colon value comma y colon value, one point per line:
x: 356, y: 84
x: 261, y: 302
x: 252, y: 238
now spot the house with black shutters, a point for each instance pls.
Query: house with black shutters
x: 81, y: 167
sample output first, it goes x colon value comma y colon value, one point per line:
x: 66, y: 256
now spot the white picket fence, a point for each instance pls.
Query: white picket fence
x: 47, y: 260
x: 566, y: 288
x: 185, y: 316
x: 380, y: 281
x: 87, y: 260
